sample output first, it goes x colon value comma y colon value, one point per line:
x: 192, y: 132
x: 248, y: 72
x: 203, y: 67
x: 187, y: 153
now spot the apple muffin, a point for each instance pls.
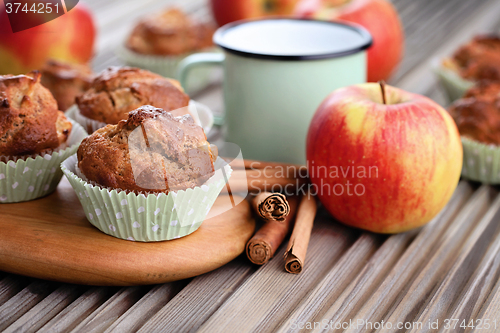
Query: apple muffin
x: 477, y: 114
x: 477, y: 60
x: 119, y: 90
x: 169, y: 32
x: 151, y: 151
x: 30, y: 122
x: 66, y: 81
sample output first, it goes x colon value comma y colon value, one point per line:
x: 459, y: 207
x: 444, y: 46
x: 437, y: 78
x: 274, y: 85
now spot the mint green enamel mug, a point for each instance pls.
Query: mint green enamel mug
x: 276, y: 74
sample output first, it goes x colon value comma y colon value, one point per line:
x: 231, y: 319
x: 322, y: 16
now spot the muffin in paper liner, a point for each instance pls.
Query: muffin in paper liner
x: 36, y: 176
x: 201, y: 113
x: 147, y: 218
x: 166, y: 66
x: 454, y: 85
x: 481, y: 161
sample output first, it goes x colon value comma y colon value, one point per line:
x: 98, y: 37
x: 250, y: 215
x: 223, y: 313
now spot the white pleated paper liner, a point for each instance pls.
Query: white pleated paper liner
x: 454, y: 85
x: 35, y: 177
x: 481, y: 161
x: 201, y: 113
x: 151, y: 218
x: 166, y: 66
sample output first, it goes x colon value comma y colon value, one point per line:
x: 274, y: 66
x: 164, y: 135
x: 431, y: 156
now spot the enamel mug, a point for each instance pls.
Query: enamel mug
x: 276, y: 74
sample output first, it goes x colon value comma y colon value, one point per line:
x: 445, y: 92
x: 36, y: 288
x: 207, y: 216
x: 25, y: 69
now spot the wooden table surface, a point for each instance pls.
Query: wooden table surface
x: 447, y: 270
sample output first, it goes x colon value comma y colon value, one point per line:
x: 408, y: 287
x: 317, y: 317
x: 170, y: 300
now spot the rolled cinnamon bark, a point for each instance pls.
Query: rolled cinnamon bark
x: 271, y: 206
x: 263, y: 245
x: 297, y: 246
x: 254, y: 164
x: 257, y: 181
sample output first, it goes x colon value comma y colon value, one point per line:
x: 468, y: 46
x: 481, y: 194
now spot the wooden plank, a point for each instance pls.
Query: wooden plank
x: 441, y: 23
x: 41, y: 313
x: 359, y: 291
x: 23, y: 301
x: 11, y: 285
x: 378, y: 304
x: 416, y: 296
x: 331, y: 300
x: 140, y: 312
x: 422, y: 78
x: 102, y: 318
x: 471, y: 253
x: 264, y: 301
x: 490, y: 313
x: 191, y: 307
x: 77, y: 311
x: 334, y: 282
x: 479, y: 287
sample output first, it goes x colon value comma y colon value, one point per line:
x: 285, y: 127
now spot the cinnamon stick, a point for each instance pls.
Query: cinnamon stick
x: 271, y: 206
x: 297, y: 246
x: 263, y: 245
x: 257, y: 181
x: 254, y: 164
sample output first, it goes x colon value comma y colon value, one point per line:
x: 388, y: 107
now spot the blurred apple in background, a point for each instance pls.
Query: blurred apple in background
x: 226, y: 11
x: 379, y: 17
x: 384, y: 167
x: 69, y: 37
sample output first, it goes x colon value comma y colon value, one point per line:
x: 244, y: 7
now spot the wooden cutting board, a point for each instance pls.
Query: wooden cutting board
x: 50, y: 238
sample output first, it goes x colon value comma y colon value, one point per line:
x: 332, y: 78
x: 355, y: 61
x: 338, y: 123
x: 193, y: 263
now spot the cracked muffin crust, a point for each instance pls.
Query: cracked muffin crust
x: 150, y: 152
x: 30, y: 122
x: 170, y: 32
x: 477, y: 114
x: 119, y: 90
x: 66, y: 81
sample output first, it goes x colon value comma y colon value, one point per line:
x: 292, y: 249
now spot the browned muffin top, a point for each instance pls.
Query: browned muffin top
x: 477, y: 114
x: 29, y: 120
x: 152, y: 151
x: 66, y: 81
x: 119, y: 90
x: 170, y: 32
x: 479, y: 59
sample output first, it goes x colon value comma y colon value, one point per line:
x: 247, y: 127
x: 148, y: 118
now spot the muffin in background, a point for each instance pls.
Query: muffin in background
x: 66, y: 81
x: 30, y: 122
x: 171, y: 153
x: 118, y: 90
x: 477, y: 60
x: 159, y: 42
x: 169, y: 32
x: 35, y: 137
x: 152, y: 177
x: 477, y: 115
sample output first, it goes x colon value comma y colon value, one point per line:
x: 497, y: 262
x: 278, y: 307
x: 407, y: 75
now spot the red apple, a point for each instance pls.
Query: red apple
x: 379, y: 17
x: 226, y: 11
x: 382, y: 167
x: 69, y: 37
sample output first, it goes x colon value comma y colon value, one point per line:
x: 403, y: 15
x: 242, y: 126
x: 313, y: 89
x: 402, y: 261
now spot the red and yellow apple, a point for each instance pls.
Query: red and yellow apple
x: 226, y: 11
x: 379, y: 17
x: 385, y: 168
x: 69, y: 37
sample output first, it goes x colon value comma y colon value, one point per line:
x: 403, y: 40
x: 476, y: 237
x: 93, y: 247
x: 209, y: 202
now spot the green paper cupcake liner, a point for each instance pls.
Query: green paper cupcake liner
x: 202, y: 115
x: 147, y: 218
x: 454, y: 85
x: 36, y: 176
x: 166, y: 66
x: 481, y: 162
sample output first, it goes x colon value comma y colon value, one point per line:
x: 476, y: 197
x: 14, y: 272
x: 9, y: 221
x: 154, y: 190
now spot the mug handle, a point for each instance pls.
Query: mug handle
x: 195, y: 60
